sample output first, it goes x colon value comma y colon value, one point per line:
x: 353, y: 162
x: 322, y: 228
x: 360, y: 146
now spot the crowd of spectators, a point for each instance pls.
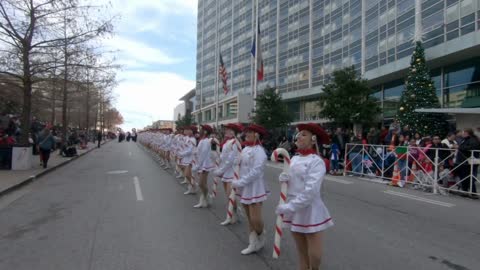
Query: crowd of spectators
x: 42, y: 138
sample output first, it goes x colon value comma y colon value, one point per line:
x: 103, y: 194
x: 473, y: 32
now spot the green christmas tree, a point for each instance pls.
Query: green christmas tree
x: 420, y: 94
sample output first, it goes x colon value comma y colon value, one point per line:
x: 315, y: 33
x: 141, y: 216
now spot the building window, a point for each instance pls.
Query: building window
x: 294, y: 110
x: 462, y: 85
x: 392, y: 94
x: 311, y: 110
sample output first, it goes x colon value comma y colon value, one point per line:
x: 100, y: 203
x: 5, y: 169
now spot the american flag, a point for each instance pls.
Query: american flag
x: 223, y: 74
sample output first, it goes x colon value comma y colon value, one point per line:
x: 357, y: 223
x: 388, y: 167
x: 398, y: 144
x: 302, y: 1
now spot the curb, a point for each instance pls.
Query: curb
x: 44, y: 172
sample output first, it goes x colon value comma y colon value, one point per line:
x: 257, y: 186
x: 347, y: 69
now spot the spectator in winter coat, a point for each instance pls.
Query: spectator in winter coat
x: 395, y: 126
x: 334, y: 158
x: 459, y: 136
x: 413, y: 152
x: 406, y: 132
x: 401, y: 152
x: 418, y: 138
x: 46, y: 145
x: 443, y: 151
x: 450, y: 141
x: 355, y: 154
x: 341, y: 140
x: 383, y: 135
x: 470, y: 143
x: 373, y: 136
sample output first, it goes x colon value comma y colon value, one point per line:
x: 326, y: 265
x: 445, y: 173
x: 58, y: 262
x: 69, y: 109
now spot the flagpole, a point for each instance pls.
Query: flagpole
x: 217, y: 57
x: 256, y: 58
x: 216, y: 86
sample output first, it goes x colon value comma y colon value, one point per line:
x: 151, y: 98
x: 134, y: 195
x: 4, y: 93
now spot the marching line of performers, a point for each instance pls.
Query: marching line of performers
x: 241, y: 167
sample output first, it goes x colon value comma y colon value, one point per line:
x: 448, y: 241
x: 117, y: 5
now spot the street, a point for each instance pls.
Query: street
x: 115, y: 208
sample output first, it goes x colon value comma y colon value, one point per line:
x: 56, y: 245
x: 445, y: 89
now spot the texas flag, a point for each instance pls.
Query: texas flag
x: 258, y: 57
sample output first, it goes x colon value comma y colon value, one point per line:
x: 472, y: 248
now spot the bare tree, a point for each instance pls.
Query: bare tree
x: 31, y: 29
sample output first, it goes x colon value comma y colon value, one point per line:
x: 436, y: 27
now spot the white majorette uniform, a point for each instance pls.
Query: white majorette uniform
x: 188, y: 151
x: 204, y: 162
x: 306, y: 211
x: 175, y: 142
x: 229, y: 158
x: 168, y: 142
x: 251, y: 182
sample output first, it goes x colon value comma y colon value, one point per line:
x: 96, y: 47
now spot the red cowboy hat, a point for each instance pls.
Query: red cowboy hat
x: 207, y: 128
x: 256, y: 128
x: 322, y: 136
x: 237, y: 127
x: 192, y: 128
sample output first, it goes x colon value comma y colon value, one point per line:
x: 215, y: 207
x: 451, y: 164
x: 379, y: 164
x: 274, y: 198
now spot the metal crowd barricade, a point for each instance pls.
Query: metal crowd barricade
x: 431, y: 169
x: 373, y: 160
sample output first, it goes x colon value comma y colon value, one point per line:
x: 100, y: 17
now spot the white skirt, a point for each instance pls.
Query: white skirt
x: 311, y: 219
x: 254, y: 192
x: 186, y: 161
x: 228, y: 176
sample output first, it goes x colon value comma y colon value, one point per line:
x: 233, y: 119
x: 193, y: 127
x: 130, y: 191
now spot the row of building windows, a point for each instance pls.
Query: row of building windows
x: 336, y: 36
x: 457, y: 86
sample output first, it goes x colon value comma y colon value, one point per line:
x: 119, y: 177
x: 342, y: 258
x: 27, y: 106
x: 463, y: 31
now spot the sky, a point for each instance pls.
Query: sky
x: 156, y: 43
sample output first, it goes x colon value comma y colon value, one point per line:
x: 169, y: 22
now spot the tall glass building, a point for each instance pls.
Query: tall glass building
x: 304, y: 41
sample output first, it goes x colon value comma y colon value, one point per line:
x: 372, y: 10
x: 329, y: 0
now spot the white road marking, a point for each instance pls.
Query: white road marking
x: 138, y: 190
x: 117, y: 172
x: 336, y: 180
x: 374, y: 180
x: 417, y: 198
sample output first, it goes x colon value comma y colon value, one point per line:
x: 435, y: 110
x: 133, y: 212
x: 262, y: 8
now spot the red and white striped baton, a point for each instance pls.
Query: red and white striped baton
x: 236, y: 175
x: 217, y: 163
x: 283, y: 198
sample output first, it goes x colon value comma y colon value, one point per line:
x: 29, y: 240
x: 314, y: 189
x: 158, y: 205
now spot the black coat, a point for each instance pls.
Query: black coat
x: 443, y: 152
x: 466, y: 146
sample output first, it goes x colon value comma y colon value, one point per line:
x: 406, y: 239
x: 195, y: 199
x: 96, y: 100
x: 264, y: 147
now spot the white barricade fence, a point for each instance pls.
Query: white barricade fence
x: 436, y: 170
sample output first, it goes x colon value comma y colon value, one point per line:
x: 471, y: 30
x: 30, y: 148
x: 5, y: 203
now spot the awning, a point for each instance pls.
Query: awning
x: 451, y: 110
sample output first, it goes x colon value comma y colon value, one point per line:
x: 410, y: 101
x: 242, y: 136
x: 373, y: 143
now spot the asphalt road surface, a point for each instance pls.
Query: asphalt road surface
x: 115, y: 208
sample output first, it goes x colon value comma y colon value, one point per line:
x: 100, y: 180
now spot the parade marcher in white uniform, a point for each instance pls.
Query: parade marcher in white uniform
x: 161, y: 141
x: 167, y: 145
x: 176, y: 144
x: 305, y: 213
x: 187, y: 157
x: 163, y: 147
x: 204, y: 163
x: 229, y: 158
x: 251, y: 185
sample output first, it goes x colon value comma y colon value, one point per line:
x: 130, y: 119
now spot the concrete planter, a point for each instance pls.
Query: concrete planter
x: 22, y: 158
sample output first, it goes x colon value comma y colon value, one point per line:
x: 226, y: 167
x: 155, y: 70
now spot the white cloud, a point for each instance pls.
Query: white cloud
x: 153, y: 16
x: 147, y: 96
x: 160, y: 6
x: 144, y: 96
x: 136, y: 54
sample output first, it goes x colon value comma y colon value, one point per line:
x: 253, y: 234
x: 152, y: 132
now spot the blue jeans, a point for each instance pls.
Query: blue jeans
x: 356, y: 160
x: 402, y: 166
x: 334, y: 165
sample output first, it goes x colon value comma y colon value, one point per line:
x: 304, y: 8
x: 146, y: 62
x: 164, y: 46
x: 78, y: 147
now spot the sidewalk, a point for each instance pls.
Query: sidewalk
x: 10, y: 180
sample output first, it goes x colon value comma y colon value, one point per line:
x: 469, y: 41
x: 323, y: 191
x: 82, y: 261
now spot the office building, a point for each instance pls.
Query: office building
x: 304, y: 41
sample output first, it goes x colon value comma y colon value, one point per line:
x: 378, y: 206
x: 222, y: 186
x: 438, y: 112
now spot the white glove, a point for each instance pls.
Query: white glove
x: 195, y: 168
x: 284, y: 177
x: 217, y: 172
x: 236, y: 184
x: 284, y: 209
